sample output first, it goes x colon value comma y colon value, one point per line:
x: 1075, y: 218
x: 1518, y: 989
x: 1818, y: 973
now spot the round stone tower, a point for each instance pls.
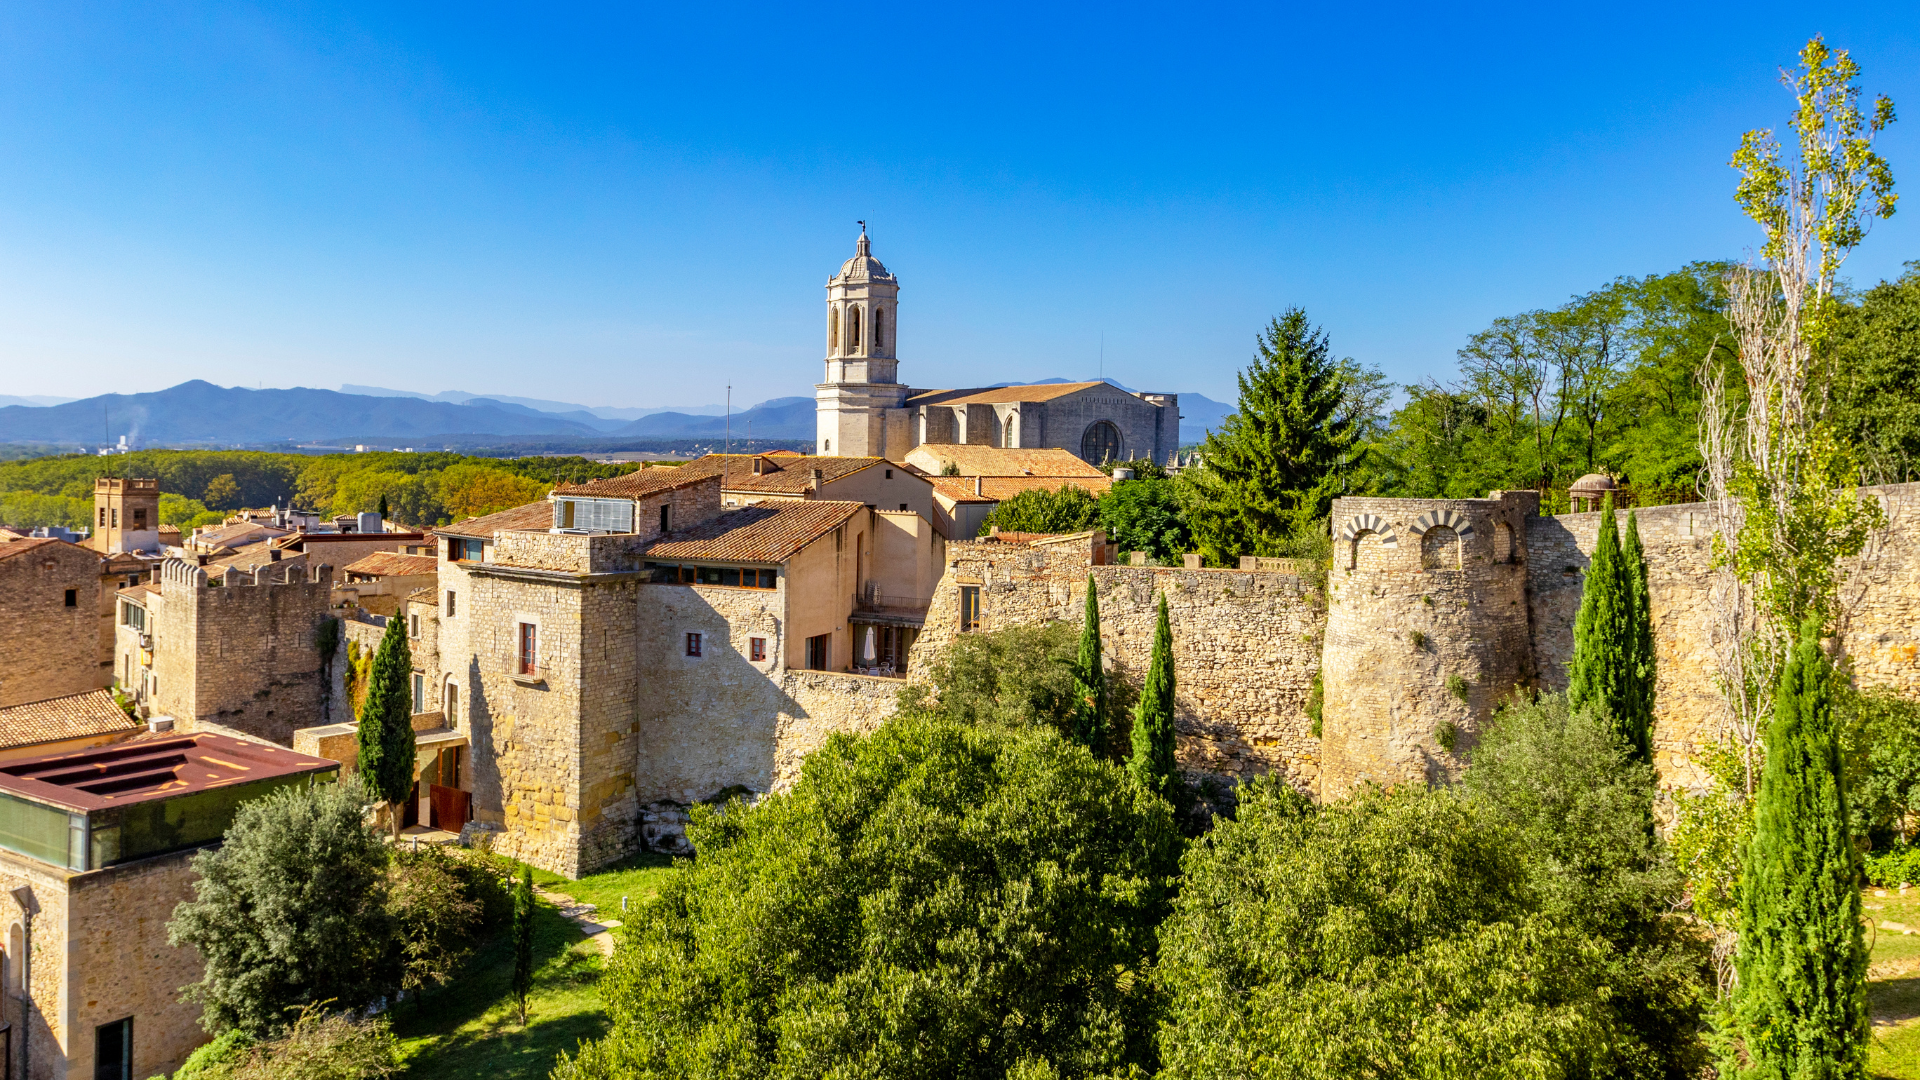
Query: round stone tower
x: 1426, y: 633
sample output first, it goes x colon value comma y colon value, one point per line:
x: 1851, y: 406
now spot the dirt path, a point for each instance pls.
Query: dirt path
x: 582, y: 916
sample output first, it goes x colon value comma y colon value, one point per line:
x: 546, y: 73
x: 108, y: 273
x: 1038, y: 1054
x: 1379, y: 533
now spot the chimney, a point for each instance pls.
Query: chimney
x: 976, y: 488
x: 273, y: 554
x: 159, y: 724
x: 814, y: 477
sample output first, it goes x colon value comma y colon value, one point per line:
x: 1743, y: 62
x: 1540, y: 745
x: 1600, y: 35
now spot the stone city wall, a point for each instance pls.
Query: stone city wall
x: 1426, y: 633
x: 1880, y: 592
x: 48, y: 1024
x: 1246, y: 645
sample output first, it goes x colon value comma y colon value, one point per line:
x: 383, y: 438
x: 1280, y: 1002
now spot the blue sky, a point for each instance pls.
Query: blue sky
x: 634, y: 207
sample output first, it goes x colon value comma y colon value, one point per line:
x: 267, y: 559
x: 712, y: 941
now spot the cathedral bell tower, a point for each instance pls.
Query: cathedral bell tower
x: 860, y: 408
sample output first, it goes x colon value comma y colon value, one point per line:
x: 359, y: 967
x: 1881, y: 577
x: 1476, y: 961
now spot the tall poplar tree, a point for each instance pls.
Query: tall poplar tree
x: 1640, y: 622
x: 1276, y: 464
x: 386, y: 723
x: 1152, y: 762
x: 1800, y: 1008
x: 1602, y: 673
x: 1089, y: 678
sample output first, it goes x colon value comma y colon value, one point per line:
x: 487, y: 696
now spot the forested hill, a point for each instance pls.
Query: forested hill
x: 201, y: 413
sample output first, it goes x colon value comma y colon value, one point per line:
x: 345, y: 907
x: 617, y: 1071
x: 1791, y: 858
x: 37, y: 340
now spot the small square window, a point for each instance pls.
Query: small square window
x: 903, y: 506
x: 969, y: 607
x: 693, y: 644
x: 414, y: 623
x: 449, y: 603
x: 73, y: 597
x: 889, y: 474
x: 757, y: 649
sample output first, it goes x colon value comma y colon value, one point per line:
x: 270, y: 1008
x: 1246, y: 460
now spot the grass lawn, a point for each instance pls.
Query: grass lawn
x: 636, y: 878
x: 469, y: 1028
x: 1893, y: 990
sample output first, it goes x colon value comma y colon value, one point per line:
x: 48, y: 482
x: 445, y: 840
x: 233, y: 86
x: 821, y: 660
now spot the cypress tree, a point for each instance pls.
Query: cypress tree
x: 1089, y: 679
x: 1152, y: 762
x: 386, y: 723
x: 1645, y: 664
x: 523, y: 939
x: 1801, y: 1005
x: 1601, y: 674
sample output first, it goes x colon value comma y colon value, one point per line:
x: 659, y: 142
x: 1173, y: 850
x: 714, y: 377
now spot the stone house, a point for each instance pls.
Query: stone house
x: 93, y: 873
x: 380, y: 581
x: 750, y: 478
x: 50, y: 608
x: 338, y: 550
x: 983, y: 476
x: 236, y: 648
x: 605, y: 659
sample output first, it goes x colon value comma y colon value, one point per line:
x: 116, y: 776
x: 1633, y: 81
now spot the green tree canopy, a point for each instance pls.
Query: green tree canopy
x: 1146, y: 515
x: 290, y: 910
x: 931, y: 900
x: 1290, y: 447
x: 1068, y: 509
x: 1020, y: 677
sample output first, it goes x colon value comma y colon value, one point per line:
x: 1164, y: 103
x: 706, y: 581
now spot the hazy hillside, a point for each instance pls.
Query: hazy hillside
x: 780, y: 418
x: 201, y: 413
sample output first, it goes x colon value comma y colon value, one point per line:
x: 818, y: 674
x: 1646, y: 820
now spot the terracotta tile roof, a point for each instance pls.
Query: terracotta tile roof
x: 786, y: 476
x: 428, y: 595
x: 10, y: 548
x: 633, y: 485
x: 995, y: 395
x: 1000, y: 488
x: 769, y: 532
x: 9, y: 534
x: 139, y: 593
x: 257, y: 555
x: 244, y: 532
x: 537, y: 515
x: 70, y: 717
x: 393, y: 564
x: 959, y: 489
x: 998, y: 461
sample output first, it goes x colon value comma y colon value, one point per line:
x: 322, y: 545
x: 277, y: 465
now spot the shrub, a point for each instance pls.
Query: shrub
x: 317, y: 1046
x: 1894, y: 866
x: 290, y: 910
x: 931, y: 900
x: 1021, y: 676
x: 436, y: 912
x: 1069, y: 509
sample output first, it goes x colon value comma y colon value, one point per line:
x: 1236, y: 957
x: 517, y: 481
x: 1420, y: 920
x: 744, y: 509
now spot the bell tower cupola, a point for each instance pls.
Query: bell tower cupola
x: 861, y: 407
x: 862, y: 302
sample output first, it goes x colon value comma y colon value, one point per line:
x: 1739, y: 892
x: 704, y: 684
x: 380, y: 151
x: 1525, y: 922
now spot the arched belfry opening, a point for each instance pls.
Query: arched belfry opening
x: 853, y: 329
x: 833, y: 330
x: 879, y: 329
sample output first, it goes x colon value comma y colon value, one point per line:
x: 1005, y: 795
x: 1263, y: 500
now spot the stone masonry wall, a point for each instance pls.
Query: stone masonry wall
x: 1246, y: 645
x: 1426, y: 633
x: 50, y: 1025
x: 1881, y: 592
x: 47, y: 648
x: 119, y: 963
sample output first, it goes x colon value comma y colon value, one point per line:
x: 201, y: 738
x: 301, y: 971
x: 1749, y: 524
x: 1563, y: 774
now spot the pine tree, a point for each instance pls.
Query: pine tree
x: 523, y: 939
x: 1800, y: 1008
x: 1276, y: 463
x: 1645, y: 664
x: 1602, y: 673
x: 1152, y: 762
x: 1089, y: 678
x: 386, y: 723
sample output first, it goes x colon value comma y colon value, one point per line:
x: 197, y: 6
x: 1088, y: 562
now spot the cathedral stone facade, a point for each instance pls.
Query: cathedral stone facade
x: 864, y: 411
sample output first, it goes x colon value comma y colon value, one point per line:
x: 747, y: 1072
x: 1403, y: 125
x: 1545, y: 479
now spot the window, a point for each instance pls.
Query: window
x: 449, y: 603
x: 693, y: 644
x: 103, y: 517
x: 116, y: 517
x: 969, y: 607
x: 73, y: 597
x: 452, y: 704
x: 419, y: 692
x: 1101, y: 443
x: 853, y: 329
x: 903, y: 506
x: 414, y: 625
x: 826, y: 446
x: 879, y: 328
x: 666, y: 516
x: 757, y: 649
x: 833, y: 329
x: 566, y: 515
x: 527, y: 659
x: 889, y: 474
x: 113, y: 1050
x: 820, y: 652
x: 139, y: 517
x: 466, y: 550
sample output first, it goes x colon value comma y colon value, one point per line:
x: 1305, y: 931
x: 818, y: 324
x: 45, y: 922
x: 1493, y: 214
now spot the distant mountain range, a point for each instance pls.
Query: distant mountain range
x: 198, y: 413
x: 598, y: 412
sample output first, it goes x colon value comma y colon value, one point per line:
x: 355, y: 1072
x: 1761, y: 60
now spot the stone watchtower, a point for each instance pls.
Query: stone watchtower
x: 126, y: 515
x: 861, y: 405
x: 1427, y: 632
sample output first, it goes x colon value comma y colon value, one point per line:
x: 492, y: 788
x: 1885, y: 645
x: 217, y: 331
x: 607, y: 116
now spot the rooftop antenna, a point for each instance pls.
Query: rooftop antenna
x: 729, y: 418
x: 1103, y: 356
